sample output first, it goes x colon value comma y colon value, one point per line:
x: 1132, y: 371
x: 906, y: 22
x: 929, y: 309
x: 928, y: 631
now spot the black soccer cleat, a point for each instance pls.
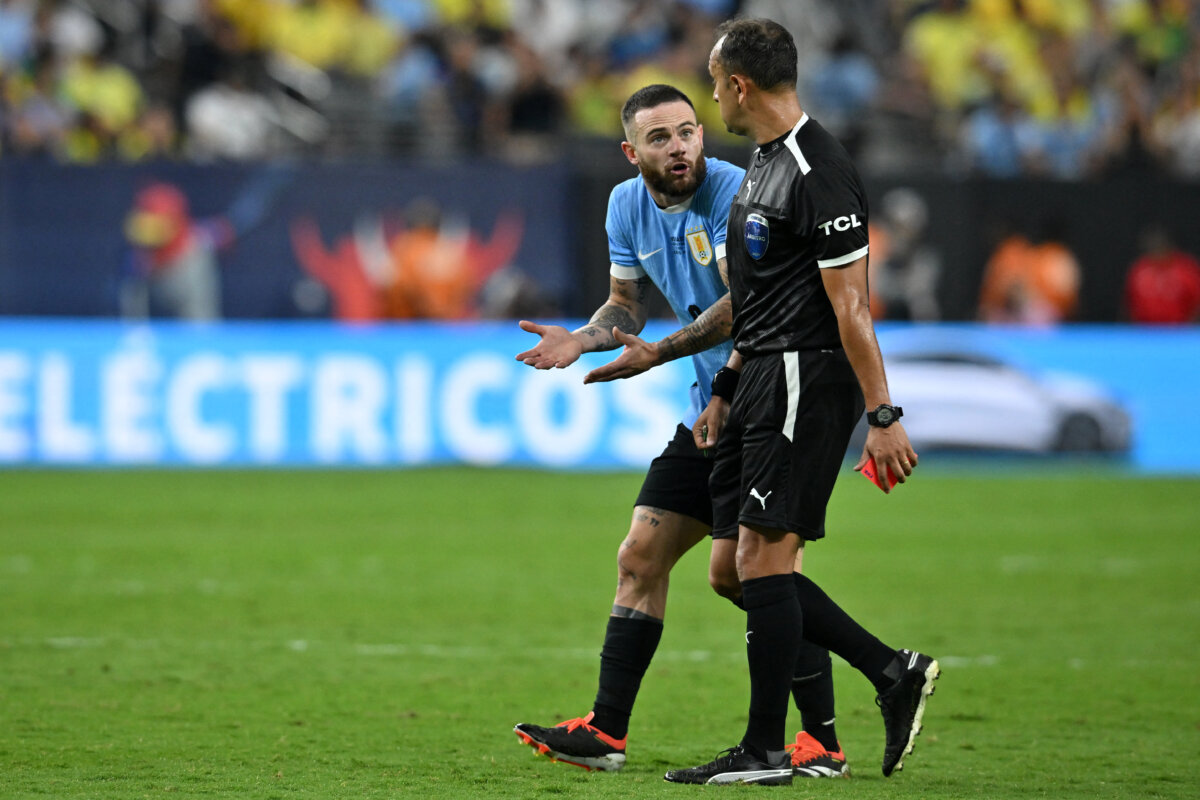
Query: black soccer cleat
x: 577, y: 743
x: 736, y: 765
x: 903, y: 705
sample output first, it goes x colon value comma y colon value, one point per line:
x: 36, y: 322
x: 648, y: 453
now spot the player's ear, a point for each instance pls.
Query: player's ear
x: 630, y: 152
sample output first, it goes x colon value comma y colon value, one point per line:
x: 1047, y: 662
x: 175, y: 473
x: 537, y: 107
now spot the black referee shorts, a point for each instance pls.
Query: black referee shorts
x: 783, y: 446
x: 678, y: 479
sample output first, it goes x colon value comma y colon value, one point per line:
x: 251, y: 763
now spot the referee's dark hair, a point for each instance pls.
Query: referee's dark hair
x: 760, y: 49
x: 648, y: 97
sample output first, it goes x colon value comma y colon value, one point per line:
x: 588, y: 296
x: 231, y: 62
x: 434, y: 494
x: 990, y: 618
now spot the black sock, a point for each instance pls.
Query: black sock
x: 812, y: 688
x: 629, y: 645
x: 774, y: 626
x: 827, y: 625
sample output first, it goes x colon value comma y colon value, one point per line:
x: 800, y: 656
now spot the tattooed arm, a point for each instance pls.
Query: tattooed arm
x: 712, y: 327
x: 625, y: 311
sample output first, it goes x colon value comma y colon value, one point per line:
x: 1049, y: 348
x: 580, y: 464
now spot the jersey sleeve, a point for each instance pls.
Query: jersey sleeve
x: 833, y: 215
x: 623, y: 260
x: 729, y: 180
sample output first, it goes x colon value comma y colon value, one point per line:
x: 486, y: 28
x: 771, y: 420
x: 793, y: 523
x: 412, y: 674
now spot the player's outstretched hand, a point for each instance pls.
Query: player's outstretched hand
x: 709, y: 424
x: 637, y: 357
x: 558, y: 348
x: 891, y: 450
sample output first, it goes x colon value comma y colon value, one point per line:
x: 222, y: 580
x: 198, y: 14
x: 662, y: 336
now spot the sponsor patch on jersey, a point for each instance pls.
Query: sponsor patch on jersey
x: 701, y: 248
x: 758, y: 235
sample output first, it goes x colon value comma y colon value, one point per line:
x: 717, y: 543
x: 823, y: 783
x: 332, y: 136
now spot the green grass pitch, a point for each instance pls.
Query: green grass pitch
x: 376, y: 634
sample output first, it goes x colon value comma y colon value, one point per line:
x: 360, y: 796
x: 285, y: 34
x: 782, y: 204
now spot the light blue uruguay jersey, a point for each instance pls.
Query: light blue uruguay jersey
x: 677, y: 248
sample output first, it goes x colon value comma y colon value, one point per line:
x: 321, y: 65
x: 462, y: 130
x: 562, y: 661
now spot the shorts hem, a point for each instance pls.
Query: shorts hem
x: 803, y: 531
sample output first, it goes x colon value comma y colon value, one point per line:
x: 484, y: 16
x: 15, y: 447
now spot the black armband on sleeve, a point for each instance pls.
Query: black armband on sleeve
x: 725, y: 383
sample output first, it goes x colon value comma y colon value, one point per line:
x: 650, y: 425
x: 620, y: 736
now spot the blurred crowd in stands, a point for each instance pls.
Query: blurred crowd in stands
x: 1067, y: 89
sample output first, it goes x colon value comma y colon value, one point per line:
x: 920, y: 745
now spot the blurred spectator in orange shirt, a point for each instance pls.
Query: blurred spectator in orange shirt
x: 1030, y: 282
x: 418, y: 266
x: 1163, y: 285
x: 441, y: 265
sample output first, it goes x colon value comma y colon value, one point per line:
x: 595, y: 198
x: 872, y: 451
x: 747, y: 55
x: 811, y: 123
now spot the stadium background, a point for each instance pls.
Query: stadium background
x: 393, y: 164
x: 213, y: 583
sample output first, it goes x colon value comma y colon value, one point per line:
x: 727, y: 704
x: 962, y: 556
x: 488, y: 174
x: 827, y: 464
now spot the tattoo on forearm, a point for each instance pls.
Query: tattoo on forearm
x: 714, y: 325
x: 624, y: 311
x: 610, y: 317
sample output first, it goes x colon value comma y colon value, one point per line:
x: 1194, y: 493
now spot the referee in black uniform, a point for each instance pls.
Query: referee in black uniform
x: 805, y: 356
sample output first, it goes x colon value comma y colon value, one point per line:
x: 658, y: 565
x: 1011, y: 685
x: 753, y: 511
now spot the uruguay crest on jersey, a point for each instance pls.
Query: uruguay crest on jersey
x: 702, y: 251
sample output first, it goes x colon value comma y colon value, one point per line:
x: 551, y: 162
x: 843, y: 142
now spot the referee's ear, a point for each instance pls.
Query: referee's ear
x: 738, y: 83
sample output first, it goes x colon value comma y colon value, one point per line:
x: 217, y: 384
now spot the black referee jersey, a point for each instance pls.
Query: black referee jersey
x: 801, y: 208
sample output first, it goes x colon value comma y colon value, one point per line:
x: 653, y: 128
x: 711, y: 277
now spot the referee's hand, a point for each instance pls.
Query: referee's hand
x: 707, y: 429
x: 891, y: 450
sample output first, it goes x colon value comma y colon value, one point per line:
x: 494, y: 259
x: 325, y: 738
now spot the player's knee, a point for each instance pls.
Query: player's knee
x: 640, y: 563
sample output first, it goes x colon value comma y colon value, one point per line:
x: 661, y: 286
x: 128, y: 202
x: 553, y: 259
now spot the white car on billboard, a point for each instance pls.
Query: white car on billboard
x: 972, y: 401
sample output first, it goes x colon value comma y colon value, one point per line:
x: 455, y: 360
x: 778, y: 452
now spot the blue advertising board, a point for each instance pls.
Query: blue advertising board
x: 99, y: 393
x: 102, y: 393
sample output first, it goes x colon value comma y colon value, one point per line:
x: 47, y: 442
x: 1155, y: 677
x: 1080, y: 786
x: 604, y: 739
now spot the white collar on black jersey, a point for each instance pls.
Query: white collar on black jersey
x: 794, y: 146
x: 788, y: 140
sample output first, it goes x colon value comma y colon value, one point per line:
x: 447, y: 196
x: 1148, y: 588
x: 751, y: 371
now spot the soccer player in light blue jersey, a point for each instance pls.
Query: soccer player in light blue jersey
x: 666, y: 228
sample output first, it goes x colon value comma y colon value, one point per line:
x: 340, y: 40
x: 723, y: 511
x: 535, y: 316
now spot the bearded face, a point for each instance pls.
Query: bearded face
x: 678, y: 178
x: 667, y: 145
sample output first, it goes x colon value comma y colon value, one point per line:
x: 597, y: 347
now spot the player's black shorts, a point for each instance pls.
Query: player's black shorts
x: 780, y: 452
x: 678, y: 479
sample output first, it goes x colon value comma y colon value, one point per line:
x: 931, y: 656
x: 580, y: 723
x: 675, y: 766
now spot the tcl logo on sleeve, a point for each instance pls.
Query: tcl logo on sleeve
x: 841, y: 224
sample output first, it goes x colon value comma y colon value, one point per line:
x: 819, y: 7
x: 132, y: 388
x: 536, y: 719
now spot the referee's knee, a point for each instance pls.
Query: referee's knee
x: 724, y: 581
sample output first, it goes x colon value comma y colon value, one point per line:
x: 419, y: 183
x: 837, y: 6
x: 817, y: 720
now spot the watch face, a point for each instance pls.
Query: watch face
x: 884, y: 416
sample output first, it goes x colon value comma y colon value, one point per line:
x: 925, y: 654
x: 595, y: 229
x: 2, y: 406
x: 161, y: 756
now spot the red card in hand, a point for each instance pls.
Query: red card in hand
x: 872, y: 474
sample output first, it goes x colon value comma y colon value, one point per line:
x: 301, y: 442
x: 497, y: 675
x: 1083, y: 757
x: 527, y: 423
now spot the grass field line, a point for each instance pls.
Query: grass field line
x: 407, y: 649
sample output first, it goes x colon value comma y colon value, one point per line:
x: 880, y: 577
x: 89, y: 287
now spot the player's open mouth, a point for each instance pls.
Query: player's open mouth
x: 681, y: 168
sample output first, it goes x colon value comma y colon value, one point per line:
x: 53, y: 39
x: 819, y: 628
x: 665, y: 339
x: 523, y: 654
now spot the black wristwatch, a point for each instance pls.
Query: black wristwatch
x: 884, y: 415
